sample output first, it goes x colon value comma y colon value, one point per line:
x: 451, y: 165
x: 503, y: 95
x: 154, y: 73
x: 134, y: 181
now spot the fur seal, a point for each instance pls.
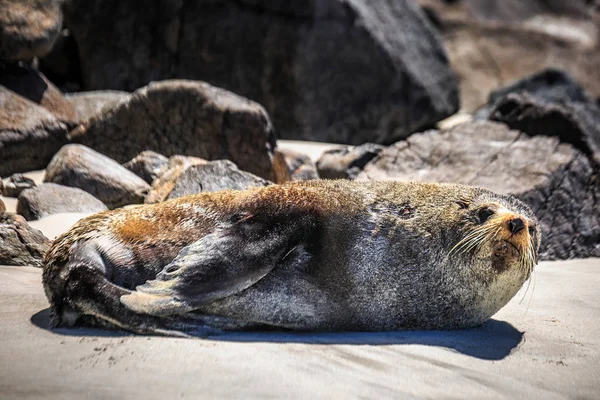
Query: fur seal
x: 311, y: 256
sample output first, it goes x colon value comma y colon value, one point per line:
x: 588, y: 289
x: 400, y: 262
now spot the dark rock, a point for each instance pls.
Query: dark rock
x: 20, y: 244
x: 28, y: 28
x: 89, y: 104
x: 348, y: 162
x: 331, y: 70
x: 298, y: 166
x: 15, y: 184
x: 78, y: 166
x: 491, y: 43
x: 188, y: 118
x: 32, y: 85
x: 574, y: 123
x: 62, y: 64
x: 164, y: 183
x: 212, y: 177
x: 2, y: 206
x: 557, y: 180
x: 148, y: 165
x: 550, y: 85
x: 29, y: 134
x: 49, y: 198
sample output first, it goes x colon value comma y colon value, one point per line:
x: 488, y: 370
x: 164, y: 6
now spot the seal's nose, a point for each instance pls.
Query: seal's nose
x: 516, y: 225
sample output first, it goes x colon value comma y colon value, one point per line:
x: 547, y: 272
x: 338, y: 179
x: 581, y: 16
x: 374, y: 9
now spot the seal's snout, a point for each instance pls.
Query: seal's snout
x: 516, y: 225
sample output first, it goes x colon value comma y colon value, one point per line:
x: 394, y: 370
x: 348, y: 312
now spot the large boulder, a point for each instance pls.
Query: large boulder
x: 186, y: 118
x: 49, y: 198
x: 88, y: 104
x: 29, y: 134
x: 208, y: 177
x: 493, y: 42
x: 557, y: 180
x: 28, y: 28
x: 20, y: 244
x: 328, y: 70
x: 78, y: 166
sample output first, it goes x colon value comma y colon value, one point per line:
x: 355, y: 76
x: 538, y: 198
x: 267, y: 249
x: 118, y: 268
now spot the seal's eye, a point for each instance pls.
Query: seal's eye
x: 485, y: 213
x: 531, y: 230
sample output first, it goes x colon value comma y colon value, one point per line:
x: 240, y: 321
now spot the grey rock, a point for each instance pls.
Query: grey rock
x: 164, y: 183
x: 78, y: 166
x: 29, y: 134
x: 15, y: 184
x: 49, y: 198
x: 212, y: 177
x: 89, y: 104
x: 184, y: 118
x: 28, y: 28
x: 296, y: 166
x: 35, y: 87
x: 348, y: 162
x: 2, y: 207
x: 328, y: 70
x: 557, y: 180
x: 148, y: 165
x: 20, y: 244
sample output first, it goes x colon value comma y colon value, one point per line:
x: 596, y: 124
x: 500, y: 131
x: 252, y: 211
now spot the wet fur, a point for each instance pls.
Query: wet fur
x: 314, y: 256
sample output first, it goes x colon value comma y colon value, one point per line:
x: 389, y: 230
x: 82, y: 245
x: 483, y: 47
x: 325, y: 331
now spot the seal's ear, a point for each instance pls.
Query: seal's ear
x: 217, y: 266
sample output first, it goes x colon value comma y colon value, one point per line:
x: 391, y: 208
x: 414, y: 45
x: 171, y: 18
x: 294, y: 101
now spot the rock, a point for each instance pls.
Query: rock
x: 62, y: 64
x: 184, y: 118
x: 28, y: 28
x: 210, y: 177
x: 164, y: 183
x: 29, y: 134
x: 49, y: 198
x: 346, y: 163
x: 35, y: 87
x: 327, y: 70
x: 2, y: 207
x: 491, y: 43
x: 89, y: 104
x: 575, y: 123
x: 15, y: 184
x: 78, y: 166
x: 148, y: 165
x: 298, y: 166
x: 557, y: 180
x: 20, y: 244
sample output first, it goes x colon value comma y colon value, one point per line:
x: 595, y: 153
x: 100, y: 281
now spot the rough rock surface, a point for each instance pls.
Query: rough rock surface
x: 491, y: 43
x: 211, y: 177
x: 328, y: 70
x: 28, y: 28
x: 298, y: 166
x: 558, y: 181
x: 346, y: 163
x: 187, y: 118
x: 89, y: 104
x: 164, y: 183
x: 78, y: 166
x: 15, y: 184
x: 20, y: 244
x: 2, y: 207
x: 50, y: 198
x: 148, y: 165
x: 35, y: 87
x: 29, y: 134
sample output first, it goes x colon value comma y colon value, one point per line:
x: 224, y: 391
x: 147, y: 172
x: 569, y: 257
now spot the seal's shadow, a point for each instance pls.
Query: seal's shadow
x: 494, y: 340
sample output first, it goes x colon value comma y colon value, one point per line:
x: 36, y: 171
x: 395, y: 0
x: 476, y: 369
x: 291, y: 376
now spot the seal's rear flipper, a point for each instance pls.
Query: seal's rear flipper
x: 217, y: 266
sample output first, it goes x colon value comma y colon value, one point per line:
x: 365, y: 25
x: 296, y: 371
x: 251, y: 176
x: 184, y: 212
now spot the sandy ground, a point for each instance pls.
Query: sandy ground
x: 544, y: 344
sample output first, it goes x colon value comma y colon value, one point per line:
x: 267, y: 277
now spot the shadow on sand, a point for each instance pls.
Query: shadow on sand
x: 494, y: 340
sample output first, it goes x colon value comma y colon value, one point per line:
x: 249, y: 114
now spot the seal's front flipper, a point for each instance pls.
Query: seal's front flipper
x: 217, y: 266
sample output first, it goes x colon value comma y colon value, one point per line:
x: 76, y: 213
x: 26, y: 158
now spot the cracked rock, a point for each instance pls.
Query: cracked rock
x: 348, y: 162
x: 28, y: 28
x: 21, y: 244
x: 180, y: 117
x: 557, y: 180
x: 78, y: 166
x: 49, y: 198
x: 29, y: 134
x: 327, y: 70
x: 209, y: 177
